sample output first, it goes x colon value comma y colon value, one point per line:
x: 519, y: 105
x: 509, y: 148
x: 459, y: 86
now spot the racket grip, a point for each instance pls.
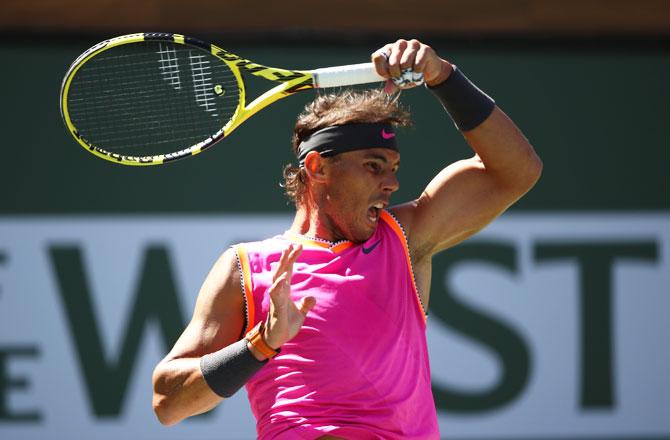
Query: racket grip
x: 345, y: 75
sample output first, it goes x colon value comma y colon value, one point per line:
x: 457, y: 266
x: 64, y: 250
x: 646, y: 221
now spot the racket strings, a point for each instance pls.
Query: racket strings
x: 151, y: 98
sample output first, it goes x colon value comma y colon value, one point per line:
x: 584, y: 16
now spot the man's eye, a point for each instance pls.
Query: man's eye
x: 373, y: 166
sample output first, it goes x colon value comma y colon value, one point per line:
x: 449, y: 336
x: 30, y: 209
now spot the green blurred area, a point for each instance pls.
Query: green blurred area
x: 597, y: 119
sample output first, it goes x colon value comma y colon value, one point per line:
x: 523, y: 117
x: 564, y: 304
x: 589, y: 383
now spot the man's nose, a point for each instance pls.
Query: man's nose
x: 391, y: 183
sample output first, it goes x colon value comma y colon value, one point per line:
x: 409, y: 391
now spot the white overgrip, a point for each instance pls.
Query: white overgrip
x: 345, y: 75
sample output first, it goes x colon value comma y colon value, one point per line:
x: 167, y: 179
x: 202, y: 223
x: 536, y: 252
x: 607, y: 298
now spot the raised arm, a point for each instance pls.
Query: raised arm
x: 466, y: 195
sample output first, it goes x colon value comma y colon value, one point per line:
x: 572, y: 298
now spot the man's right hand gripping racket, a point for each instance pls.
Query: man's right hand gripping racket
x: 153, y: 98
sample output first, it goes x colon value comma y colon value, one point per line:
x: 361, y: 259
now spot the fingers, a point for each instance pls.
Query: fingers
x: 281, y: 267
x: 422, y: 57
x: 286, y: 260
x: 380, y: 61
x: 306, y: 304
x: 285, y: 317
x: 408, y: 56
x: 397, y: 51
x: 395, y: 59
x: 295, y: 251
x: 392, y: 58
x: 281, y: 279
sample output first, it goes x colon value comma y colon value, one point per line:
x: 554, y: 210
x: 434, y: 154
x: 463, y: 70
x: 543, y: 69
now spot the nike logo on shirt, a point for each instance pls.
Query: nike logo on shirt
x: 371, y: 248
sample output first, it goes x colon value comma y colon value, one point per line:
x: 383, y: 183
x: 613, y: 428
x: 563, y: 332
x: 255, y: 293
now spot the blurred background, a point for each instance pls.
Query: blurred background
x: 551, y: 323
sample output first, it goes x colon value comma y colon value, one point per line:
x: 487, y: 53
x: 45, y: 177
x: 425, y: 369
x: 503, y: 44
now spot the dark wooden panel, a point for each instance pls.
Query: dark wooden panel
x: 455, y: 17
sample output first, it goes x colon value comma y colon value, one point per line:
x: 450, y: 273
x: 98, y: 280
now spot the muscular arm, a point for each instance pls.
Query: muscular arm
x: 466, y: 195
x: 180, y: 390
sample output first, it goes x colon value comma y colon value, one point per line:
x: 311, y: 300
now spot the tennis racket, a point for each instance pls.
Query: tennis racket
x: 153, y: 98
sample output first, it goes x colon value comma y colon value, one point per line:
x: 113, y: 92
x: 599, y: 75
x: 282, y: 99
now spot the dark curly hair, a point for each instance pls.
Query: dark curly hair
x: 347, y: 107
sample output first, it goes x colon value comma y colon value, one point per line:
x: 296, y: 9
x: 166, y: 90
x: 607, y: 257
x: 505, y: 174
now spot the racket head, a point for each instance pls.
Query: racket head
x: 151, y: 98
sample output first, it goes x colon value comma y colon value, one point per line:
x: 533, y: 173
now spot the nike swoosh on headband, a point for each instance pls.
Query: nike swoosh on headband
x: 386, y: 135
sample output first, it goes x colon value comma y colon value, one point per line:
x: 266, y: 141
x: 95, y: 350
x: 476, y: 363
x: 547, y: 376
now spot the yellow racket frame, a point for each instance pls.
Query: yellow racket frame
x: 291, y: 81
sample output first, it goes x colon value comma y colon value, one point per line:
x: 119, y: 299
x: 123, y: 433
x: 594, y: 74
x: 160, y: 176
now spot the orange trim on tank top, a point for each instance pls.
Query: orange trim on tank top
x: 395, y: 226
x: 246, y: 280
x: 297, y: 238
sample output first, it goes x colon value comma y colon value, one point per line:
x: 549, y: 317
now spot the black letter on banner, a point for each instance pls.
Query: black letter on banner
x: 595, y: 261
x: 156, y: 302
x: 7, y: 383
x: 3, y: 260
x: 498, y: 336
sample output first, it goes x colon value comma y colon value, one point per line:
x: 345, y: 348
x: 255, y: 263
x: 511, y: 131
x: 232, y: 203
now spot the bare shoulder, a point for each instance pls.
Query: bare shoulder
x: 421, y: 258
x: 405, y: 214
x: 420, y: 252
x: 218, y: 316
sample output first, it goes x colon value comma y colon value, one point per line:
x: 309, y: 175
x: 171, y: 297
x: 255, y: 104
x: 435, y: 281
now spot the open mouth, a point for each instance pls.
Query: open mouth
x: 374, y: 211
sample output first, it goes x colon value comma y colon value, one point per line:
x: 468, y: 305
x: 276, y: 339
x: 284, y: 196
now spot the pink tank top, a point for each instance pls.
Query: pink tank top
x: 358, y: 368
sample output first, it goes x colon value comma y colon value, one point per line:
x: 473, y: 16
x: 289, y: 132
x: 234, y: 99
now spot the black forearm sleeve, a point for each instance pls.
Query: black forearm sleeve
x: 466, y: 104
x: 227, y: 370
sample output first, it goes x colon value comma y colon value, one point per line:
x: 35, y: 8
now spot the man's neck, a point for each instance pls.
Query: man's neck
x: 310, y: 222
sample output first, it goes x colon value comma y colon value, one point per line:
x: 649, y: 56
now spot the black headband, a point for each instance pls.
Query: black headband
x: 337, y: 139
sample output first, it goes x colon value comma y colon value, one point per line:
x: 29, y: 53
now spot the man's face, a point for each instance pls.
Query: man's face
x: 359, y: 186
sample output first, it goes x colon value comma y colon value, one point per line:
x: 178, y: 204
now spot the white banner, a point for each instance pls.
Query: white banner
x: 541, y: 326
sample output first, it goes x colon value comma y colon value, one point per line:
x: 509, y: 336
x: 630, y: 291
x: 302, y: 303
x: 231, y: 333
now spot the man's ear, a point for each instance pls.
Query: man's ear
x: 315, y: 167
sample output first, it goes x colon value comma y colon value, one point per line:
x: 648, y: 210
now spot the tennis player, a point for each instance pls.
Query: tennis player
x: 325, y: 324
